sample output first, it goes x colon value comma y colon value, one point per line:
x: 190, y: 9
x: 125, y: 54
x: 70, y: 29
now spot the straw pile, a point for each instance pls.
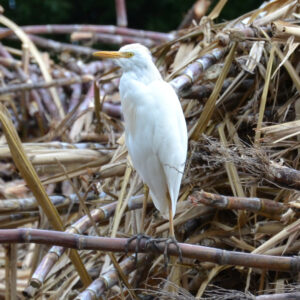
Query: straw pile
x: 239, y: 86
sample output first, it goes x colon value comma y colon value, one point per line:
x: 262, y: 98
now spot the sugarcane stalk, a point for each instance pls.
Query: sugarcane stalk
x: 258, y: 205
x: 12, y: 88
x: 201, y: 253
x: 121, y: 13
x: 110, y: 29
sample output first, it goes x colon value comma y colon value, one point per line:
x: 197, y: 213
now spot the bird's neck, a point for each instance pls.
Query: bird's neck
x: 143, y: 75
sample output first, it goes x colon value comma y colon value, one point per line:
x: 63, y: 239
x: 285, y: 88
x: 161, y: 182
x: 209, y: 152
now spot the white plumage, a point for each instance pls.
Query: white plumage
x: 155, y: 127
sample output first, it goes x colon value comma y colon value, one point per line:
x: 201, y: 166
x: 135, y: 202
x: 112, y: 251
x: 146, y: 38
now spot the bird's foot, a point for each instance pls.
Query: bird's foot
x: 138, y: 238
x: 153, y: 243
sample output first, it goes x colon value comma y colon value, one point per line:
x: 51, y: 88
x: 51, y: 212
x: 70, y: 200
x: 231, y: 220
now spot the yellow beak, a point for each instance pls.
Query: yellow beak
x: 112, y: 54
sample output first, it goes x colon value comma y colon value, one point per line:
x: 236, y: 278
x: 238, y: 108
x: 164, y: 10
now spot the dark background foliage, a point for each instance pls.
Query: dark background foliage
x: 159, y: 15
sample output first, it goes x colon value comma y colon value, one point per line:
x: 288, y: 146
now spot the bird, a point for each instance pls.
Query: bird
x: 155, y: 126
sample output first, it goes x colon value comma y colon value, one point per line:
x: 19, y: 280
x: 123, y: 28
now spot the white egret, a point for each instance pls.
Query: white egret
x: 155, y: 127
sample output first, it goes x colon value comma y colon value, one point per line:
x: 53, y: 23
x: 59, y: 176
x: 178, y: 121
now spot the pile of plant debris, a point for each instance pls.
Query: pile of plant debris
x: 64, y: 164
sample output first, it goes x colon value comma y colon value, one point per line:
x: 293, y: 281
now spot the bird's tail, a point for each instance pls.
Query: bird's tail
x: 162, y: 205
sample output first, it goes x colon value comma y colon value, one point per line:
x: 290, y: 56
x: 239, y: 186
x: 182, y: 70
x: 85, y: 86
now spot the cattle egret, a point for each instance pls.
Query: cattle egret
x: 155, y: 127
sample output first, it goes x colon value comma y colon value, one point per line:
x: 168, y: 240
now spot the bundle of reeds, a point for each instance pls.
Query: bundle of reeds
x: 67, y: 180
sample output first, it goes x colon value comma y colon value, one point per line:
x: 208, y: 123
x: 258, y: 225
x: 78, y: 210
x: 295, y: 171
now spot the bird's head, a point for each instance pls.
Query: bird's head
x: 129, y: 57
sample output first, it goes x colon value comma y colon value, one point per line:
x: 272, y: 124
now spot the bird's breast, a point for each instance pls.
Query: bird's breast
x: 137, y: 109
x: 137, y: 119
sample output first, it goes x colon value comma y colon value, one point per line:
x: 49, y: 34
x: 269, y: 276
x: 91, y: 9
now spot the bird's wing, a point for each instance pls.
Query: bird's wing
x: 170, y: 137
x: 156, y: 138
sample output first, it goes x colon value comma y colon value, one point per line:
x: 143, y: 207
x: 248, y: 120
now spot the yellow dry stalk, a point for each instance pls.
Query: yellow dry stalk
x: 264, y: 97
x: 291, y: 49
x: 37, y: 56
x: 118, y: 215
x: 123, y: 276
x: 209, y: 107
x: 287, y: 64
x: 189, y: 213
x: 131, y: 190
x: 291, y: 70
x: 185, y: 55
x: 33, y: 182
x: 280, y: 132
x: 217, y: 9
x: 190, y: 57
x: 93, y: 166
x: 273, y: 11
x: 232, y: 172
x: 241, y: 244
x: 11, y: 271
x: 284, y: 28
x: 40, y: 156
x: 276, y: 239
x: 213, y: 273
x: 254, y: 56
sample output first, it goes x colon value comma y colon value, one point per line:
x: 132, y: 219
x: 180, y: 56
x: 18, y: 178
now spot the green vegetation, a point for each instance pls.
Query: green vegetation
x: 160, y: 15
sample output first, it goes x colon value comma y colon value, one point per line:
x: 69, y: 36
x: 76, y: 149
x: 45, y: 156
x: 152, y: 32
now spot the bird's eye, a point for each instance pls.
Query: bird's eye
x: 129, y: 54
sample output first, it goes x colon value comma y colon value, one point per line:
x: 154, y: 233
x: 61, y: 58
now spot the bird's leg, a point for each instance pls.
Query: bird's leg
x: 171, y: 223
x: 170, y: 240
x: 140, y: 235
x: 174, y: 275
